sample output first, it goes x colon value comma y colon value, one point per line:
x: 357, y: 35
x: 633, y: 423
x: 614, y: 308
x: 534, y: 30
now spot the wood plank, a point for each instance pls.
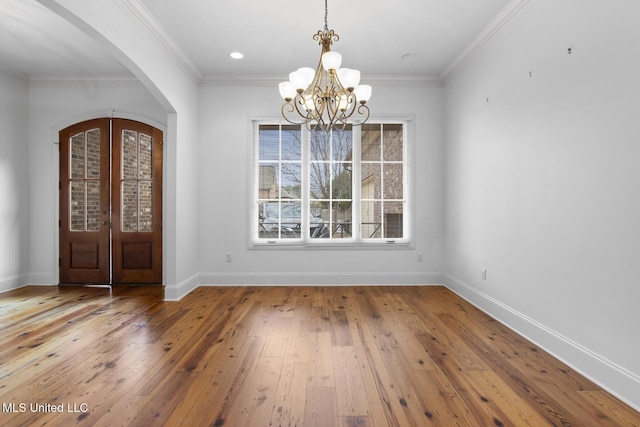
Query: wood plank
x: 281, y: 356
x: 350, y: 387
x: 321, y: 372
x: 290, y: 399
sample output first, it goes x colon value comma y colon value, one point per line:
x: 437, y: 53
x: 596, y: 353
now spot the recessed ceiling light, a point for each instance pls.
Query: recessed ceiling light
x: 236, y: 55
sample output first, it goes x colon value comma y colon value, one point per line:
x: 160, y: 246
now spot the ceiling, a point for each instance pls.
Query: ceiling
x: 381, y: 38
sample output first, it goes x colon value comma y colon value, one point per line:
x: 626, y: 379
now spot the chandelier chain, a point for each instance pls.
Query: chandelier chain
x: 326, y: 13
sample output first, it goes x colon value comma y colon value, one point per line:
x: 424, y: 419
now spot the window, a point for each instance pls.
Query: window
x: 344, y: 186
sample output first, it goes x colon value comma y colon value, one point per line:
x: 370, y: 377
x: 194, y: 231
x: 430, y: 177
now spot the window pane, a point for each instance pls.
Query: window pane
x: 392, y: 137
x: 320, y: 180
x: 320, y: 209
x: 320, y: 145
x: 393, y: 180
x: 371, y: 181
x: 370, y: 217
x: 291, y: 181
x: 342, y: 144
x: 341, y: 224
x: 291, y: 218
x: 341, y: 182
x: 291, y: 143
x: 269, y: 145
x: 268, y: 180
x: 318, y: 218
x: 370, y: 145
x: 279, y: 220
x: 393, y: 219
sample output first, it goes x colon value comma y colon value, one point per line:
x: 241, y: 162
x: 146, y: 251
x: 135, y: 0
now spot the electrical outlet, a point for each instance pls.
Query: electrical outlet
x: 484, y: 274
x: 227, y: 257
x: 419, y: 258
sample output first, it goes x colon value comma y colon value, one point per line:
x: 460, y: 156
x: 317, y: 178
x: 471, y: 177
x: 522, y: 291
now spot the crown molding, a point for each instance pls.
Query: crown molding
x: 44, y: 80
x: 163, y: 37
x: 268, y: 80
x: 14, y: 74
x: 509, y: 11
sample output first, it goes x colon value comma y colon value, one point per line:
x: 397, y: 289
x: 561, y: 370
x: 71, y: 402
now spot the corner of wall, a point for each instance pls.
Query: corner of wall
x: 177, y: 291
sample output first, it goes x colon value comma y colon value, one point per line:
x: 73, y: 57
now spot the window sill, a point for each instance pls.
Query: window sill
x: 378, y: 245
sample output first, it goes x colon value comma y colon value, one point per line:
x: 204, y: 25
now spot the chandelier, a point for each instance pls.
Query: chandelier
x: 328, y: 96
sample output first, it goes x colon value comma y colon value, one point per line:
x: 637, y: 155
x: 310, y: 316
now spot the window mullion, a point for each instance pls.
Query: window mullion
x: 356, y: 185
x: 305, y: 187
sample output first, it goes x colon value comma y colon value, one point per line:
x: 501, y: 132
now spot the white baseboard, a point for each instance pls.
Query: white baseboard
x: 12, y: 282
x: 318, y: 278
x: 42, y: 279
x: 176, y: 292
x: 611, y: 377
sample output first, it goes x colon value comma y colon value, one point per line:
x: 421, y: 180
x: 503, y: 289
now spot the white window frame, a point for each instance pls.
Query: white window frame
x: 355, y: 240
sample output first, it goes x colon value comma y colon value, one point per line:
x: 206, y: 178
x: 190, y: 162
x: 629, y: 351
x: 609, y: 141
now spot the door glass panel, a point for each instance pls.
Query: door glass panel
x: 77, y: 156
x: 93, y: 154
x: 129, y: 154
x: 137, y: 165
x: 145, y: 216
x: 76, y: 210
x: 84, y: 171
x: 129, y: 206
x: 146, y: 142
x: 93, y: 206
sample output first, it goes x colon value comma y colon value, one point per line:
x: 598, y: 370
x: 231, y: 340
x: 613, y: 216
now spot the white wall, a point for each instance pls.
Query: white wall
x: 14, y: 188
x: 542, y: 183
x: 54, y: 105
x: 225, y: 153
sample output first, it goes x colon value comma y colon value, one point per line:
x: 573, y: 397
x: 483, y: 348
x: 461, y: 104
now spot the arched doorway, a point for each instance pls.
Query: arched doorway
x: 110, y: 203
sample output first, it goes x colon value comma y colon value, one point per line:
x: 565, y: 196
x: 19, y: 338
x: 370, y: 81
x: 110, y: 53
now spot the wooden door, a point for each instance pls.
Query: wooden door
x: 85, y: 203
x: 111, y: 203
x: 137, y: 200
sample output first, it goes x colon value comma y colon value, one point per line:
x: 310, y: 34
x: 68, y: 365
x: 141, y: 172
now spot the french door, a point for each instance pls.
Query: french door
x: 110, y: 203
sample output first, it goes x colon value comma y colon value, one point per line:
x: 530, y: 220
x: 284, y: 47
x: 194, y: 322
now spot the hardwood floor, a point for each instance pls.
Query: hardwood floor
x: 279, y: 356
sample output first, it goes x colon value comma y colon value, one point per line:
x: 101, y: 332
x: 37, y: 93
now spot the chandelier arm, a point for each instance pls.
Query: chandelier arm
x: 288, y: 107
x: 363, y: 110
x: 301, y: 110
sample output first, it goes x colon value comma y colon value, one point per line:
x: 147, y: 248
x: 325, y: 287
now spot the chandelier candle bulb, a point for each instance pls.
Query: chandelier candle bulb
x: 298, y: 80
x: 349, y: 78
x: 363, y: 93
x: 287, y: 91
x: 331, y: 60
